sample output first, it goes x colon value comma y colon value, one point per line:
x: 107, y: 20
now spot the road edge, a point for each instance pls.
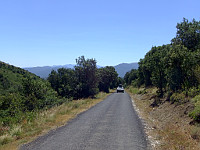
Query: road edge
x: 151, y: 142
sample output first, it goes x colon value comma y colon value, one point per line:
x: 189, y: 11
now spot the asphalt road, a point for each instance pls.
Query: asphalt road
x: 110, y: 125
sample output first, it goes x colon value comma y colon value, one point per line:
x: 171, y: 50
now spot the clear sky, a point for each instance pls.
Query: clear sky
x: 56, y: 32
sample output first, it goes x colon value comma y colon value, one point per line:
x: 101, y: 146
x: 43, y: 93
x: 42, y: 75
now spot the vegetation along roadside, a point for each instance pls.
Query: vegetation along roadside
x: 166, y: 89
x: 46, y: 120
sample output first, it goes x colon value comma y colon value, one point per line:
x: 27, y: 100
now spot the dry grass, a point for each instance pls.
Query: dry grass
x: 46, y: 121
x: 167, y: 126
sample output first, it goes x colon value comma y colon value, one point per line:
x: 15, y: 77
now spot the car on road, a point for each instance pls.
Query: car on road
x: 120, y: 88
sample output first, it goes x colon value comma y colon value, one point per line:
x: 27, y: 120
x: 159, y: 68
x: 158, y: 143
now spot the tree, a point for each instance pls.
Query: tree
x: 53, y: 79
x: 108, y: 78
x: 64, y: 82
x: 152, y: 68
x: 188, y: 34
x: 140, y: 80
x: 131, y: 76
x: 157, y: 63
x: 120, y: 81
x: 86, y: 73
x: 67, y: 82
x: 180, y: 66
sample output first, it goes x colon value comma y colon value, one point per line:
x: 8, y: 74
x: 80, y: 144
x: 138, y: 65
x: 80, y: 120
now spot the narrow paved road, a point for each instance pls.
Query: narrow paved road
x: 110, y: 125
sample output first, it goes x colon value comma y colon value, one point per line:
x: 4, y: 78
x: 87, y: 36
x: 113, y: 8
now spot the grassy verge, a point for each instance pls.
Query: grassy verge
x: 45, y: 121
x: 168, y: 125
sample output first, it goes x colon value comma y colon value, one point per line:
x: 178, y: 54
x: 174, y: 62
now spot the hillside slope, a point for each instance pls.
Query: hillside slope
x: 21, y: 92
x: 11, y: 78
x: 168, y: 124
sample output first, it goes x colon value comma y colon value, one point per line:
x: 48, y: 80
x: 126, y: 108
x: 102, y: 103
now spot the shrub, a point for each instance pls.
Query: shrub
x: 142, y: 91
x: 195, y: 114
x: 5, y: 139
x: 178, y: 98
x: 195, y: 133
x: 196, y: 99
x: 193, y: 92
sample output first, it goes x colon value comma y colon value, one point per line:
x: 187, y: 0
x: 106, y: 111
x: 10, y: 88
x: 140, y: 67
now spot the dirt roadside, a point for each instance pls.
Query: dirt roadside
x: 168, y: 126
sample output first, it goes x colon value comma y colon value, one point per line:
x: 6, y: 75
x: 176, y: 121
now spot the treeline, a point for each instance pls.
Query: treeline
x: 173, y: 68
x: 85, y: 80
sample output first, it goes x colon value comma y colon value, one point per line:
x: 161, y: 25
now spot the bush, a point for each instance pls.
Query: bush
x: 134, y: 83
x: 5, y: 140
x: 193, y: 92
x: 196, y: 99
x: 178, y: 98
x: 195, y: 114
x: 142, y: 91
x: 195, y: 133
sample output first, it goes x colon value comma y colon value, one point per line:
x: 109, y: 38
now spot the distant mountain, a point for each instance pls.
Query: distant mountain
x: 123, y: 68
x: 44, y: 72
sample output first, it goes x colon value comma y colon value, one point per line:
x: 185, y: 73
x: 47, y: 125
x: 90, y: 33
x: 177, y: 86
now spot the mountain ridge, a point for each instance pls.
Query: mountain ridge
x: 123, y: 68
x: 44, y: 71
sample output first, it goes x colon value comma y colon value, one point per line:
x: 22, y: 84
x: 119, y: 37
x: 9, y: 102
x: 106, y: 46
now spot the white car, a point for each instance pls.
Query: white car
x: 120, y: 89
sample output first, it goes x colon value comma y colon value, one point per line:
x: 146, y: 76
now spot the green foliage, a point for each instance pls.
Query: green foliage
x: 157, y: 64
x: 131, y: 76
x: 178, y: 98
x: 134, y: 90
x: 85, y: 80
x: 194, y: 91
x: 175, y: 66
x: 120, y: 81
x: 64, y: 82
x: 86, y: 73
x: 22, y: 92
x: 108, y: 78
x: 196, y: 70
x: 141, y: 79
x: 188, y: 34
x: 180, y: 64
x: 195, y: 114
x: 144, y: 72
x: 142, y: 91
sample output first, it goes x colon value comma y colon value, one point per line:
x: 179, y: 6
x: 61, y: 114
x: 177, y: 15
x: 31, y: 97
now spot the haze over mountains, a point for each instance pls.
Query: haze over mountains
x: 43, y: 72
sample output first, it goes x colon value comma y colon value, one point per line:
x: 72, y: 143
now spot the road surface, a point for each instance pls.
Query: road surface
x: 110, y: 125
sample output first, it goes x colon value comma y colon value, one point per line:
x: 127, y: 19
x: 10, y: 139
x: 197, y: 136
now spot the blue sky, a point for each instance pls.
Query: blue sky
x: 56, y: 32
